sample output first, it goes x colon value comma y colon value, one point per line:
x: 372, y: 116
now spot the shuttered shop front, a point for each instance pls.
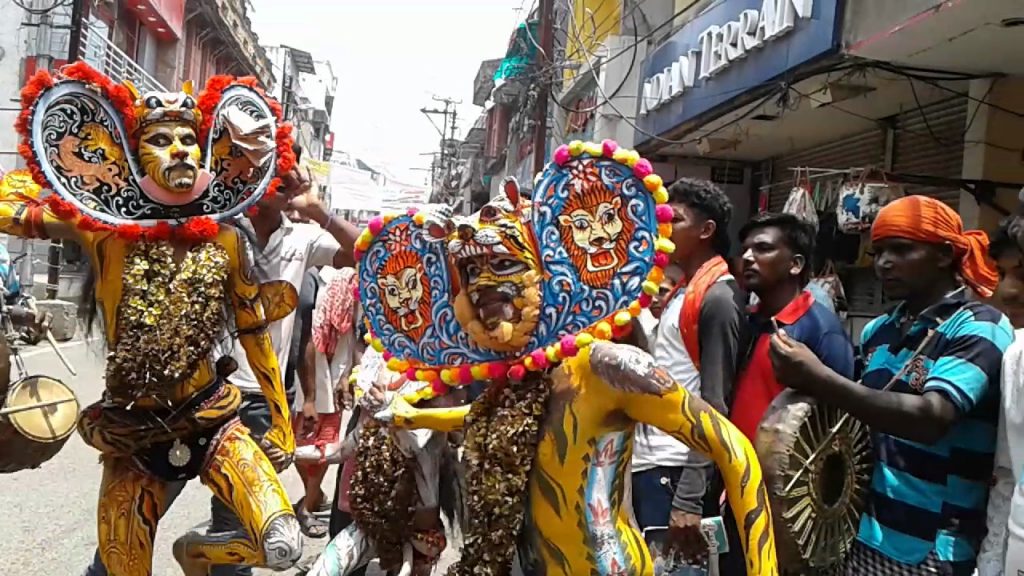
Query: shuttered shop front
x: 929, y: 141
x: 858, y: 150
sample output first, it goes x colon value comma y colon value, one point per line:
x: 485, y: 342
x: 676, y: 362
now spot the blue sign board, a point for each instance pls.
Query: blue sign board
x: 734, y: 47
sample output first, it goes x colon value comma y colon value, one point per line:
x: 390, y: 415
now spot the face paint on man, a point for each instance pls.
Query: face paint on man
x: 170, y: 154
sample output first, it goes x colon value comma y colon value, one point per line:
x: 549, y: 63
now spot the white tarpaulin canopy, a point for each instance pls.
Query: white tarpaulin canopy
x: 354, y: 189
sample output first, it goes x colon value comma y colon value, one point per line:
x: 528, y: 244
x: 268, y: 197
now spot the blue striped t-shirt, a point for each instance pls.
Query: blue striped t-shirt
x: 926, y: 497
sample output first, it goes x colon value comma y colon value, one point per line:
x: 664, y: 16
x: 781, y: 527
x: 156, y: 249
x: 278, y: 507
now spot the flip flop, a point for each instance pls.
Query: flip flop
x: 309, y: 524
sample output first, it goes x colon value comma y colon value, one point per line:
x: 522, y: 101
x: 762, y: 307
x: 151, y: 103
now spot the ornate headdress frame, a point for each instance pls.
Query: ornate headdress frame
x: 422, y: 336
x: 79, y: 138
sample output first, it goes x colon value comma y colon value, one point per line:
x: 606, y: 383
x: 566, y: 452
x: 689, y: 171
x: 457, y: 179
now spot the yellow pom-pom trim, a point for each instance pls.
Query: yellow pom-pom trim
x: 650, y: 288
x: 622, y: 318
x: 419, y: 218
x: 552, y: 353
x: 592, y: 148
x: 478, y: 372
x: 377, y: 345
x: 575, y: 148
x: 665, y: 245
x: 583, y: 340
x: 395, y: 365
x: 633, y: 158
x: 661, y: 195
x: 653, y: 183
x: 530, y: 364
x: 621, y: 155
x: 447, y: 377
x: 634, y: 308
x: 603, y: 331
x: 657, y: 275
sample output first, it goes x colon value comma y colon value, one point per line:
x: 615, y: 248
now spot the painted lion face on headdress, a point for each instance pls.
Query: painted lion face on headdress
x: 124, y: 159
x: 514, y: 287
x: 500, y: 273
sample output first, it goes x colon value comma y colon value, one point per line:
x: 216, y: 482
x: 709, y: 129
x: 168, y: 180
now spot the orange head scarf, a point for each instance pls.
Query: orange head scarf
x: 928, y: 220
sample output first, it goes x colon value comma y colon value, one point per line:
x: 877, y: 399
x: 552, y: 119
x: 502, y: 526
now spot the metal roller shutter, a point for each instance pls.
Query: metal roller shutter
x: 930, y: 141
x: 865, y: 149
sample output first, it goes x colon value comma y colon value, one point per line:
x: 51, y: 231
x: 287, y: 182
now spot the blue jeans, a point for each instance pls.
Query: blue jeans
x: 652, y: 506
x: 254, y: 412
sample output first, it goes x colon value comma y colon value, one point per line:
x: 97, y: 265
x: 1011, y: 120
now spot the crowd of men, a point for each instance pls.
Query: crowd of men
x: 939, y: 382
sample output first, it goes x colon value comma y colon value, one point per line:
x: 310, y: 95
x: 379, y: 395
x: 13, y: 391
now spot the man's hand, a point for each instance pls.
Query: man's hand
x: 279, y: 458
x: 297, y: 182
x: 309, y: 418
x: 685, y: 536
x: 795, y: 365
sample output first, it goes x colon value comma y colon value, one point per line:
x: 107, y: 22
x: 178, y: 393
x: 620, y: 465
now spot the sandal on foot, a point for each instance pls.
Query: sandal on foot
x: 310, y: 525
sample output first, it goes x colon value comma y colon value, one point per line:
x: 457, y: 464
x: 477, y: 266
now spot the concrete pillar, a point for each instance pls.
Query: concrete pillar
x: 993, y: 146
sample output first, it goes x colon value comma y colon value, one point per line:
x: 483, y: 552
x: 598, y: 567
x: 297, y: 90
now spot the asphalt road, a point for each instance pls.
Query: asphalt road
x: 48, y: 525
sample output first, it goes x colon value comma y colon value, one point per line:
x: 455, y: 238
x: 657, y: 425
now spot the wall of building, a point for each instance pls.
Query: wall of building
x: 12, y: 51
x: 866, y: 19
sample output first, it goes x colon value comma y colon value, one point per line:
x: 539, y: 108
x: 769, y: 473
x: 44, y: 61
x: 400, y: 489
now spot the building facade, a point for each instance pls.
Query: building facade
x: 772, y: 93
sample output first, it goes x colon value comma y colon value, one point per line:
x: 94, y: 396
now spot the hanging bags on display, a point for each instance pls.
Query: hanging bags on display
x: 860, y: 200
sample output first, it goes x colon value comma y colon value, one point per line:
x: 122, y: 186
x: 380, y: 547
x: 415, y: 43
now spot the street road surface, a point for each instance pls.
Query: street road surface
x: 48, y: 525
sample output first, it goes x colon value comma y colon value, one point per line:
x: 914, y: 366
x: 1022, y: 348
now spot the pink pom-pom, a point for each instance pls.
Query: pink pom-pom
x: 569, y: 348
x: 608, y: 147
x: 661, y: 260
x: 411, y: 374
x: 465, y: 375
x: 664, y: 213
x: 387, y: 355
x: 357, y: 255
x: 517, y: 372
x: 642, y: 169
x: 411, y: 211
x: 539, y: 358
x: 645, y: 300
x: 562, y: 155
x: 355, y: 292
x: 439, y: 387
x: 376, y: 224
x: 497, y: 370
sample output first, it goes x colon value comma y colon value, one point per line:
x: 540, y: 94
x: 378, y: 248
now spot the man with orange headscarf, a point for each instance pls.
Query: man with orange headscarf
x: 929, y: 393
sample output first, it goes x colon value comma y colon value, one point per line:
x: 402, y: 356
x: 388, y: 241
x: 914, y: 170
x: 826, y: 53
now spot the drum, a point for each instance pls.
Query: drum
x: 817, y: 466
x: 37, y: 418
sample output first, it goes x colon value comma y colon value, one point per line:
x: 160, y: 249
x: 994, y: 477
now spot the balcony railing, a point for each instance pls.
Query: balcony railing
x: 104, y: 56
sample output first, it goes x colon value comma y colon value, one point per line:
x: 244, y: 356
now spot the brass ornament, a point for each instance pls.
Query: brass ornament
x: 501, y: 435
x: 169, y: 318
x: 817, y: 464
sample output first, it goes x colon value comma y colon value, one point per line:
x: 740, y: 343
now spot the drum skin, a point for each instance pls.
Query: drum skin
x: 817, y: 465
x: 32, y: 437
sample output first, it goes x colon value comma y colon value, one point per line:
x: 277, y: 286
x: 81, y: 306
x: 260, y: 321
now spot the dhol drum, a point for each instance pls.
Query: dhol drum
x: 38, y: 416
x: 817, y: 465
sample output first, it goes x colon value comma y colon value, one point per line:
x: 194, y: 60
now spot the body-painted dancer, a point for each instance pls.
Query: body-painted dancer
x: 145, y: 183
x: 526, y: 295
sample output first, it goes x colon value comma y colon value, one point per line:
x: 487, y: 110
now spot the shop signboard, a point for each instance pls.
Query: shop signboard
x: 734, y: 47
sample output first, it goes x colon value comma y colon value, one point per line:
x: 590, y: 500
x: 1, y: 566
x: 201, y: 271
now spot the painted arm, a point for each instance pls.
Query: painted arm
x: 647, y: 394
x: 21, y: 216
x: 251, y: 322
x: 402, y: 414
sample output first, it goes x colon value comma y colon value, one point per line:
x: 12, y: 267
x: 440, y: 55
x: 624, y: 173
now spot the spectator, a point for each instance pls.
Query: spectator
x: 700, y: 339
x: 776, y: 254
x: 929, y: 393
x: 1002, y: 551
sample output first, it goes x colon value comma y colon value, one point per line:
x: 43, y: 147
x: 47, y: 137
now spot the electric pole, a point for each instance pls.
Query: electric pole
x: 547, y: 40
x: 443, y: 163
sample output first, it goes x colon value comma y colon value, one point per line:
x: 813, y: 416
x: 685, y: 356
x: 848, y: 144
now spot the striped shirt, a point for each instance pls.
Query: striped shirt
x: 932, y: 497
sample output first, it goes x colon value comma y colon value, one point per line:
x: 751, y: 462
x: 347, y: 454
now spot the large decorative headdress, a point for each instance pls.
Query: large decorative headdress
x: 524, y: 283
x: 151, y: 165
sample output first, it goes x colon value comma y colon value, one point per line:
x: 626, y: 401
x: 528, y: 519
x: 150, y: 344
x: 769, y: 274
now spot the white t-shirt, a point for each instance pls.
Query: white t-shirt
x: 328, y: 371
x: 292, y: 249
x: 1006, y: 499
x: 652, y: 447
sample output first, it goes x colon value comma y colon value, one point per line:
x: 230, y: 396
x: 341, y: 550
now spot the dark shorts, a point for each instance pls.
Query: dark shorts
x: 866, y: 561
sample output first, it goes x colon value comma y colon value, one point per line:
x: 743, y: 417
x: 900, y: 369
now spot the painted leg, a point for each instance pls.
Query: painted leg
x: 345, y: 554
x: 243, y: 478
x: 131, y: 504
